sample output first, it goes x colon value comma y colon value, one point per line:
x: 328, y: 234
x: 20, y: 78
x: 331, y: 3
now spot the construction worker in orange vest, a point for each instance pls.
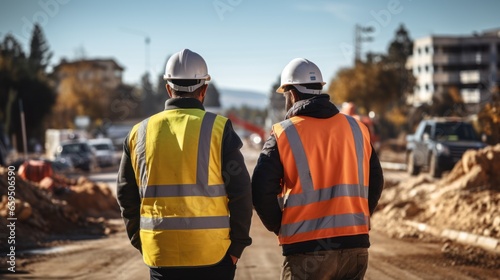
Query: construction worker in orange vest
x: 317, y: 181
x: 183, y: 187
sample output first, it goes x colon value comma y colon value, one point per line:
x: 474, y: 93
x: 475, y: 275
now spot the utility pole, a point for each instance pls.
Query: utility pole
x: 23, y: 129
x: 147, y: 41
x: 360, y: 36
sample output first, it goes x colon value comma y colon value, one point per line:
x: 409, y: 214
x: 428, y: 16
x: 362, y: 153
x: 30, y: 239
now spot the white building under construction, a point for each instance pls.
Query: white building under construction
x: 470, y: 64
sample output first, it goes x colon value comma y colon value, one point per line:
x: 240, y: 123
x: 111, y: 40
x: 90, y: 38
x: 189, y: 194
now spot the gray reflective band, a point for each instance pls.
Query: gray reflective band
x: 354, y: 190
x: 335, y: 221
x: 358, y: 140
x: 309, y: 194
x: 177, y: 223
x: 140, y: 151
x: 299, y: 155
x: 185, y: 190
x: 204, y: 149
x: 282, y: 201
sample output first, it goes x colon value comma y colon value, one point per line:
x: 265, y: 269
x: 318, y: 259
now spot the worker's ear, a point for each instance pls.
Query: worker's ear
x: 294, y: 96
x: 169, y: 90
x: 203, y: 91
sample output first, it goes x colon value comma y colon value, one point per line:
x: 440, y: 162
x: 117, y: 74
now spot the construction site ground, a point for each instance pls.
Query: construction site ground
x: 407, y: 232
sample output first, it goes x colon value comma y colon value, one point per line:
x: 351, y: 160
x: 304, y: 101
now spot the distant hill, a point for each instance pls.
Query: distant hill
x: 239, y: 97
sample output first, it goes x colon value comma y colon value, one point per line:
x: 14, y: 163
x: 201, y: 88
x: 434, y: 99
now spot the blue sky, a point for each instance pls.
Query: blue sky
x: 246, y: 43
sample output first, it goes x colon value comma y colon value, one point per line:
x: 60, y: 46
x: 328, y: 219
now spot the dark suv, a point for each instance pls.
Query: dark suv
x: 79, y: 153
x: 438, y: 144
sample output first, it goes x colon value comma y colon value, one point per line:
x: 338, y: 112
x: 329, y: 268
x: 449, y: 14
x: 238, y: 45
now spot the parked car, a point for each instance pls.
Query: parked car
x: 78, y: 153
x: 105, y: 151
x: 438, y: 144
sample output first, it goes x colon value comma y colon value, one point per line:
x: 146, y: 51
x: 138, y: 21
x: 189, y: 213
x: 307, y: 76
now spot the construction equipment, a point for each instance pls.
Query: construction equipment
x: 348, y: 108
x: 258, y: 136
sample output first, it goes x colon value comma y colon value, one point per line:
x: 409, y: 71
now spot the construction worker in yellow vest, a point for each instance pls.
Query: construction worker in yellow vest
x: 317, y: 181
x: 183, y: 187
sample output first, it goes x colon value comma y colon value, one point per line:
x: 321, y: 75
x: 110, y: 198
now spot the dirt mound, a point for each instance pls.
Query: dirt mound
x: 92, y: 199
x: 467, y: 199
x: 43, y: 215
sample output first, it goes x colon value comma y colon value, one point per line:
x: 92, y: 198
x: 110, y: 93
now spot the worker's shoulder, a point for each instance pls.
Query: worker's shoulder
x: 217, y: 115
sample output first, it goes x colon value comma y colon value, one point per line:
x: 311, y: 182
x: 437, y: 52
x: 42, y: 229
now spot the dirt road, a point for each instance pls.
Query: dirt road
x: 114, y: 258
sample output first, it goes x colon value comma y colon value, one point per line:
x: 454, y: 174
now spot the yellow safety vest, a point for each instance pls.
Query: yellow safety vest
x: 177, y: 160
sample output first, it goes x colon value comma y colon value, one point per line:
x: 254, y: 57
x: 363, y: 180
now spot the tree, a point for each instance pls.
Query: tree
x: 161, y: 90
x: 83, y: 91
x: 400, y: 48
x: 149, y: 104
x: 21, y: 81
x: 212, y: 97
x: 276, y: 107
x: 368, y: 85
x: 39, y: 51
x: 489, y: 119
x: 380, y: 84
x: 398, y: 52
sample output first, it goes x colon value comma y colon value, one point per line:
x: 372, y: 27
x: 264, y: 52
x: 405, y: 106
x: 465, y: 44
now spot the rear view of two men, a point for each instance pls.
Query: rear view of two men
x: 186, y: 197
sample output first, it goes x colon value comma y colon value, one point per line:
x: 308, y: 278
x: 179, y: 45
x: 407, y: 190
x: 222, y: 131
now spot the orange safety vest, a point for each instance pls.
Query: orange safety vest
x: 326, y: 174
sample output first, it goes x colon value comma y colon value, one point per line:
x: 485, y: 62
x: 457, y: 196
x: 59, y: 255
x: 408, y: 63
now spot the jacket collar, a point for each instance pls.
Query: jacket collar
x: 183, y: 103
x: 316, y: 107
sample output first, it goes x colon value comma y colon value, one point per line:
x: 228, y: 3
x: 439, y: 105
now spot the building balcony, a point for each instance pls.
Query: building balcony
x: 473, y: 76
x: 446, y: 78
x: 466, y: 58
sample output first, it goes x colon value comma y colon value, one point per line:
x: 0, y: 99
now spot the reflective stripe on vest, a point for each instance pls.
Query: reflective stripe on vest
x: 184, y: 215
x: 309, y: 195
x: 185, y: 223
x: 336, y: 221
x: 198, y: 189
x: 140, y: 151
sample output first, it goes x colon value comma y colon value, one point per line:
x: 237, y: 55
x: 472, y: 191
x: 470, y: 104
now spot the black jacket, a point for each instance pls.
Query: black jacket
x: 269, y: 172
x: 236, y: 179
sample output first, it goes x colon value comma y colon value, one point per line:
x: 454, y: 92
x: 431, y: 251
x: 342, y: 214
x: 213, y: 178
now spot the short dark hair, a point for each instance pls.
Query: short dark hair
x: 301, y: 95
x: 186, y: 83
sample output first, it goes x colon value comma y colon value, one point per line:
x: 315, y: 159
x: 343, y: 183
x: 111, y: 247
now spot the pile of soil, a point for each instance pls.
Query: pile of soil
x: 43, y: 215
x: 466, y: 199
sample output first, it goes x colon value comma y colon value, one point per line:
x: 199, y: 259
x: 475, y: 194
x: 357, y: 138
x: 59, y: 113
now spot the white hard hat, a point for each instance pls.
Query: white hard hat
x: 301, y: 71
x: 186, y: 65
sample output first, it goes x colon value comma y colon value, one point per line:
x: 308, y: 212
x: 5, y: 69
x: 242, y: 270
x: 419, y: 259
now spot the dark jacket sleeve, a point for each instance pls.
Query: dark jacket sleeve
x: 266, y: 185
x: 128, y: 197
x: 376, y: 183
x: 238, y: 188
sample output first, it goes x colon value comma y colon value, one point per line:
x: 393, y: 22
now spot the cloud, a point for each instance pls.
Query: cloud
x: 338, y: 10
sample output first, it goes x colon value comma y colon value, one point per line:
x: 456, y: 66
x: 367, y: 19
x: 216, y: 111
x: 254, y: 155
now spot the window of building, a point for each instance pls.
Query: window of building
x: 426, y: 87
x: 437, y: 49
x: 426, y: 68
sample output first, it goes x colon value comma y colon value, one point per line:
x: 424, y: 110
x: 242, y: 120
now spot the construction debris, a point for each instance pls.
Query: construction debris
x: 77, y: 209
x: 466, y: 199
